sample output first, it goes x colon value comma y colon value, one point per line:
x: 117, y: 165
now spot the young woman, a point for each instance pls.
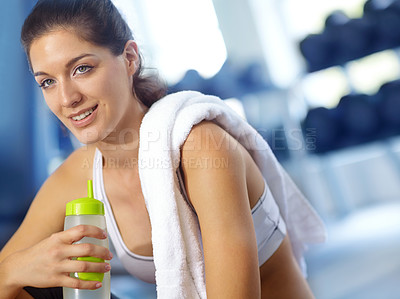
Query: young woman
x: 84, y: 59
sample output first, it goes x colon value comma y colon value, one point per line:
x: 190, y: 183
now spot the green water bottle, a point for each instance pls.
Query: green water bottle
x: 89, y: 211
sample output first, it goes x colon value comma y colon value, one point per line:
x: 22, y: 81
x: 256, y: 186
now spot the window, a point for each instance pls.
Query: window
x: 176, y: 35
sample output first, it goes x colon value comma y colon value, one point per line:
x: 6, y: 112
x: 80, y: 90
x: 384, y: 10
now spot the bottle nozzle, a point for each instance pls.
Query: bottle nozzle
x: 90, y: 188
x: 86, y: 205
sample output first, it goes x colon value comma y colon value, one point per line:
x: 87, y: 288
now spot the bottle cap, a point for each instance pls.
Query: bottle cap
x: 85, y: 206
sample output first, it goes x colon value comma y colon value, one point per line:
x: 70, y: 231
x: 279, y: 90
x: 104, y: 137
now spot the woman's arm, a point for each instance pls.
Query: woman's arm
x: 215, y: 179
x: 39, y: 252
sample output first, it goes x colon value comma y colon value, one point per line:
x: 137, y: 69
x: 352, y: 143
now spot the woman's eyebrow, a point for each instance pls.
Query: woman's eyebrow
x: 68, y: 64
x: 73, y: 60
x: 40, y: 74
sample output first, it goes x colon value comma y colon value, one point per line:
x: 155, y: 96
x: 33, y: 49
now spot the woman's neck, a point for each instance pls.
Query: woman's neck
x: 121, y: 147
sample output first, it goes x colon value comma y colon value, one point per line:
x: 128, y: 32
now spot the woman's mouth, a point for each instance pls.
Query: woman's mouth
x: 85, y: 118
x: 84, y: 115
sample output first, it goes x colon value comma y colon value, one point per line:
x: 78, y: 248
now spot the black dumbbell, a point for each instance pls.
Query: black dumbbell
x: 352, y: 39
x: 319, y: 51
x: 225, y: 83
x: 389, y: 106
x: 374, y: 5
x: 384, y: 16
x: 321, y: 123
x: 336, y: 18
x: 358, y: 117
x: 253, y: 78
x: 190, y: 81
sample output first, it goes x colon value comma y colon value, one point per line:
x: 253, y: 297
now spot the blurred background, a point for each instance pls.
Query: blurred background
x: 320, y: 80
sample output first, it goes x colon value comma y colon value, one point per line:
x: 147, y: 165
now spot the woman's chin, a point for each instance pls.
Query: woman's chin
x: 87, y: 136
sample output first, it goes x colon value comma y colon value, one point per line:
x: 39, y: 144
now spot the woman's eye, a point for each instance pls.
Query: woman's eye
x: 46, y: 83
x: 82, y: 69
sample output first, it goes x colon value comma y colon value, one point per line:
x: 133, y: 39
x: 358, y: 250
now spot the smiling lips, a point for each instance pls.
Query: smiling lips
x: 84, y: 118
x: 83, y: 115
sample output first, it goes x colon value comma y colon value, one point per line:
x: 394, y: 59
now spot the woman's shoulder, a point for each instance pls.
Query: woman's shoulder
x: 212, y: 157
x: 207, y: 138
x: 210, y: 151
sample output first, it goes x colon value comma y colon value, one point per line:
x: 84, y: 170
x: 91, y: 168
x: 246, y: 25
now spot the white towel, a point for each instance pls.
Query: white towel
x: 177, y: 246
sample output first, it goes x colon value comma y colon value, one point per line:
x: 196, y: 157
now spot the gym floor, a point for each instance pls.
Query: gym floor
x: 361, y: 257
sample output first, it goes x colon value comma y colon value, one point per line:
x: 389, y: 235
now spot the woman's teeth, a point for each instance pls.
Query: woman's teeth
x: 83, y: 115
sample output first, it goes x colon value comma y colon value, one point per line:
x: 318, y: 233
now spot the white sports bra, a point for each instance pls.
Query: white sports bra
x: 269, y: 227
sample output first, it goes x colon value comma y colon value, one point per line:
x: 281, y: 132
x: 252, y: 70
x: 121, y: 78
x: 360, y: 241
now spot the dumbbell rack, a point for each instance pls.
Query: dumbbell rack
x: 344, y: 40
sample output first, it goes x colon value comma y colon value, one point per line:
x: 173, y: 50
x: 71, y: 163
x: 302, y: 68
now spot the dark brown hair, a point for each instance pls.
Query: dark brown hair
x: 96, y: 21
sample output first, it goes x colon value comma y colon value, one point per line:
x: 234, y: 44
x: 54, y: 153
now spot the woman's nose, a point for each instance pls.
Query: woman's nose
x: 70, y: 95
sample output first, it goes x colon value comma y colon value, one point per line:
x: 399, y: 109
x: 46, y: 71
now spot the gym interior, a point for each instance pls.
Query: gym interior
x: 319, y: 80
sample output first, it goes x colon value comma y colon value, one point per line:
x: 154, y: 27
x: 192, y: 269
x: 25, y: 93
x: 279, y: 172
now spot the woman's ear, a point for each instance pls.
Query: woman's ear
x: 131, y: 56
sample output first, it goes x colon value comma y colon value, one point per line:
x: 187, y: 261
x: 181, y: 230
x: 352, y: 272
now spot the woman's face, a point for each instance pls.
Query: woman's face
x: 87, y: 87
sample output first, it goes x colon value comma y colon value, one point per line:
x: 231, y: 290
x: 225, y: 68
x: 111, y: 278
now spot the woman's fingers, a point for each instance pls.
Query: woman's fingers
x: 87, y: 249
x: 48, y: 263
x: 72, y: 266
x: 78, y: 232
x: 75, y: 283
